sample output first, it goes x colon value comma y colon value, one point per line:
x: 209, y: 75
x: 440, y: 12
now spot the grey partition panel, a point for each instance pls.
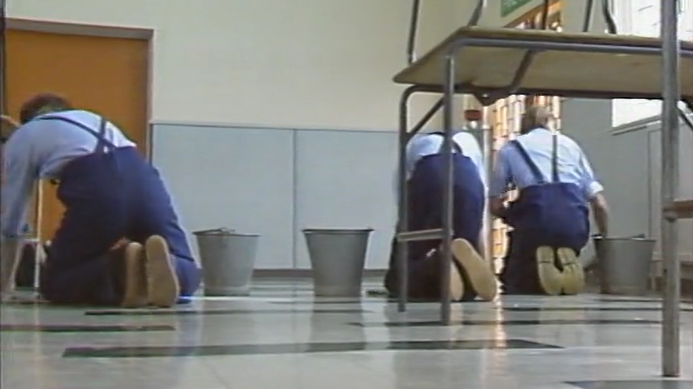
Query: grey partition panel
x: 685, y: 229
x: 619, y: 163
x: 624, y: 173
x: 344, y: 179
x: 233, y: 177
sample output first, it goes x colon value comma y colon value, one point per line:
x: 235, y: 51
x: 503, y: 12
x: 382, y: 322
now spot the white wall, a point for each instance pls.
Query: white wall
x: 278, y: 63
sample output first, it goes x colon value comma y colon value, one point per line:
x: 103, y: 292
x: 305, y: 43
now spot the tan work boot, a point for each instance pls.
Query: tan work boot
x: 573, y: 273
x: 135, y: 290
x: 481, y: 277
x: 550, y: 278
x: 456, y: 282
x: 162, y: 282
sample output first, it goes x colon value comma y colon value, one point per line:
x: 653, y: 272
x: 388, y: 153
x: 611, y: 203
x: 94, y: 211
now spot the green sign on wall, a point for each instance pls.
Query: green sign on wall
x: 510, y: 6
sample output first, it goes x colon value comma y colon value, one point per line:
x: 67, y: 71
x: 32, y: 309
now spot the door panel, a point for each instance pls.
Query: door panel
x: 105, y: 75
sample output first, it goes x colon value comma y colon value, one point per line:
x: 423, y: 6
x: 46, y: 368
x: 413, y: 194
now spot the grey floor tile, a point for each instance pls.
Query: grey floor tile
x: 641, y: 384
x: 283, y: 336
x: 298, y: 348
x: 62, y: 328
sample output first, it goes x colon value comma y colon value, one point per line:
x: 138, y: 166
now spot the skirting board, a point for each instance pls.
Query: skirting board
x: 307, y: 273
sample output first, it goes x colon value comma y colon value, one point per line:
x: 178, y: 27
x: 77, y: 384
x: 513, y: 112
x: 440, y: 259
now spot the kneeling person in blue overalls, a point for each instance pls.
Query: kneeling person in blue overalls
x: 550, y: 217
x: 110, y: 192
x: 470, y: 275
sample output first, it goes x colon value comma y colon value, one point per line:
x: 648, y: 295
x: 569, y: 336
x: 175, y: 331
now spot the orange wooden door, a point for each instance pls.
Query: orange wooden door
x: 105, y: 75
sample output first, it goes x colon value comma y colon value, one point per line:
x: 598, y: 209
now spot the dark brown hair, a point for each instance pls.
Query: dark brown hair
x: 42, y: 103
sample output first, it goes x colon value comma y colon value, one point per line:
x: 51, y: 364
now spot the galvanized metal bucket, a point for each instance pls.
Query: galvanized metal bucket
x: 337, y: 258
x: 228, y: 261
x: 624, y: 264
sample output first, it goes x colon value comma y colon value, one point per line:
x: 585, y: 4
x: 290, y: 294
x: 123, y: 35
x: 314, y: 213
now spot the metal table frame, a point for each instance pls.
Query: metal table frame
x: 670, y: 52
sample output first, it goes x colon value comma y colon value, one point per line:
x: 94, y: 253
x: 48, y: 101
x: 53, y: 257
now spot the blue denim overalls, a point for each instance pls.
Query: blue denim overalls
x: 425, y: 187
x: 111, y: 194
x: 553, y: 214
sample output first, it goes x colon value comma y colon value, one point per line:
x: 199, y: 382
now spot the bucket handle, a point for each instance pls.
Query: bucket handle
x: 217, y: 231
x: 638, y: 236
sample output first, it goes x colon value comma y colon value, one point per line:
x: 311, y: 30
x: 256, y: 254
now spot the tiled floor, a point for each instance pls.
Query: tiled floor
x: 281, y: 337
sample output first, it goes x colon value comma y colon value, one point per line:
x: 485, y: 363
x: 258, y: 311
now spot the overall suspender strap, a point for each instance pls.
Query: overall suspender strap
x: 554, y: 160
x: 528, y: 160
x: 455, y: 146
x: 102, y: 138
x: 102, y: 142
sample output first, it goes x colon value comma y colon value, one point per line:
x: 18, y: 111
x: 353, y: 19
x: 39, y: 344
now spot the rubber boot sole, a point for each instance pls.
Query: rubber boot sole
x: 456, y: 284
x: 479, y: 272
x: 162, y: 283
x: 573, y: 273
x: 550, y: 278
x: 135, y: 290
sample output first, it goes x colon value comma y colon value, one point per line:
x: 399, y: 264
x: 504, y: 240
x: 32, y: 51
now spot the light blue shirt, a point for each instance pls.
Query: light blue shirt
x: 426, y: 144
x: 429, y: 144
x: 511, y: 170
x: 39, y: 150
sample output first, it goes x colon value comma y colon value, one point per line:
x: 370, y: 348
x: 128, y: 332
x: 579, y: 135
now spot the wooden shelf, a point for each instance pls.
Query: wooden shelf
x: 591, y: 72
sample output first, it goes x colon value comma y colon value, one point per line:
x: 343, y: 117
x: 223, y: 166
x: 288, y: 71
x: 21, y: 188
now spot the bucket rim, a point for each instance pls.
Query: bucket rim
x: 624, y: 238
x: 223, y: 233
x: 336, y: 231
x: 214, y: 230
